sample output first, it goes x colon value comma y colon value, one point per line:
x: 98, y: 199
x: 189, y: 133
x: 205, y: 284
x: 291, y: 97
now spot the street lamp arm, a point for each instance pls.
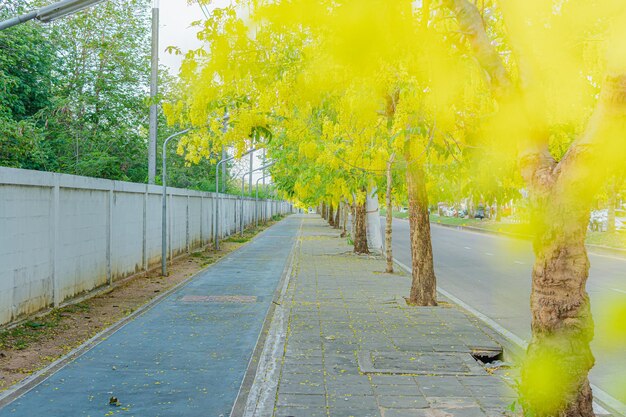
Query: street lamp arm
x: 164, y: 202
x: 242, y: 187
x: 217, y: 192
x: 172, y: 137
x: 63, y: 8
x: 226, y: 160
x: 17, y: 20
x: 52, y: 12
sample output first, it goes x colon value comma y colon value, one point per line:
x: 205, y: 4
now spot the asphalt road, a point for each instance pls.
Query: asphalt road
x: 492, y: 274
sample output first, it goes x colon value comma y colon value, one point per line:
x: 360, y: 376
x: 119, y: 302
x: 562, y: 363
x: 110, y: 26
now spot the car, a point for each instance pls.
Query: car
x: 599, y: 220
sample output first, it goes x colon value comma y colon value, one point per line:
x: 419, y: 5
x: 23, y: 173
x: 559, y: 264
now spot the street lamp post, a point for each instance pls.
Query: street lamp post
x: 242, y: 184
x: 52, y: 12
x: 256, y: 198
x: 216, y: 238
x: 154, y: 90
x: 164, y: 204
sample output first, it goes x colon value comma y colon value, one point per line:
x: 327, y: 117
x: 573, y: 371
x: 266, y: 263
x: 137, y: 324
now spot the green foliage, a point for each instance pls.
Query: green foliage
x: 25, y: 87
x: 73, y: 96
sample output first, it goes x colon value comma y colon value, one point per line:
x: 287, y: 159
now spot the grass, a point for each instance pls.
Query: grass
x: 396, y: 214
x: 613, y: 240
x: 21, y: 336
x: 41, y: 327
x: 502, y: 227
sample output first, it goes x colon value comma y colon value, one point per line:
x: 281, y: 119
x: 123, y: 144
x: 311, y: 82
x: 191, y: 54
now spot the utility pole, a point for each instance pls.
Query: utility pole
x: 154, y: 90
x: 251, y: 168
x: 263, y: 171
x: 224, y: 153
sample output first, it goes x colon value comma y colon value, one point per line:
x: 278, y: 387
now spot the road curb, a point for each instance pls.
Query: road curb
x: 592, y: 248
x: 517, y: 347
x: 240, y: 406
x: 484, y: 231
x: 32, y: 381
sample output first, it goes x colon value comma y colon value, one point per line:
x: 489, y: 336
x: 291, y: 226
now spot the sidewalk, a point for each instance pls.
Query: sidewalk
x: 184, y: 356
x: 344, y: 343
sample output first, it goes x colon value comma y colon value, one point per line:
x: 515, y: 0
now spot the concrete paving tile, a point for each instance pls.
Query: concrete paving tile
x: 291, y: 385
x: 495, y: 402
x: 301, y: 400
x: 403, y: 401
x: 300, y: 412
x: 340, y: 412
x: 358, y: 402
x: 343, y: 306
x: 392, y: 380
x: 464, y: 412
x: 420, y: 412
x: 449, y: 402
x: 491, y: 390
x: 397, y: 390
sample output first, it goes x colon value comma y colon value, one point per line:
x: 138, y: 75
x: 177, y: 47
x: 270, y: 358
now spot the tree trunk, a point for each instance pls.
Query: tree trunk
x: 345, y: 219
x: 360, y: 229
x: 555, y: 372
x: 558, y: 359
x: 423, y: 285
x: 331, y: 216
x: 324, y: 211
x: 337, y: 223
x: 498, y: 211
x: 389, y: 218
x: 353, y: 214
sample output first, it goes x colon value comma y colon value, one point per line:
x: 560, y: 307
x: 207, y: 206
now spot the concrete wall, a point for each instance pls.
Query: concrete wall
x: 63, y: 235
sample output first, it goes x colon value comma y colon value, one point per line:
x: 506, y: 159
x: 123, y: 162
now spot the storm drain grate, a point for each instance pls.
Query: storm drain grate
x: 241, y: 299
x: 419, y: 363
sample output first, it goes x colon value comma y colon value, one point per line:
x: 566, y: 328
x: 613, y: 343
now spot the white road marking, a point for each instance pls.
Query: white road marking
x: 467, y: 247
x: 519, y: 262
x: 488, y: 253
x: 618, y: 290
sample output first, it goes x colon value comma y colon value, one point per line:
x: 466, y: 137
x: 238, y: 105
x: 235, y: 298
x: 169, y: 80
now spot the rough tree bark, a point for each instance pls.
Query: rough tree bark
x: 331, y: 215
x: 337, y: 223
x: 360, y: 228
x: 353, y: 214
x: 345, y: 219
x: 423, y: 284
x: 389, y: 217
x: 324, y: 216
x: 562, y: 327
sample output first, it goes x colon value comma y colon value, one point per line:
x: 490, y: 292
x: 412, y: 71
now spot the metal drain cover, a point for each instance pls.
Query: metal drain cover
x: 241, y: 299
x: 431, y: 363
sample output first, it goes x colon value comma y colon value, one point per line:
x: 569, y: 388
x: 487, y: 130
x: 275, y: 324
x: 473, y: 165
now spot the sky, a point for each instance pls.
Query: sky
x: 175, y: 17
x: 174, y: 30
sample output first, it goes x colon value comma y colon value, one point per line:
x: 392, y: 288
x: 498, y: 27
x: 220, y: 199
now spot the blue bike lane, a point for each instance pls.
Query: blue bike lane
x: 186, y: 355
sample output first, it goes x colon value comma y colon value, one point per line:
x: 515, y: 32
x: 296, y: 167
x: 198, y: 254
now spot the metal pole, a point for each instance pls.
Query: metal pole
x: 164, y: 204
x: 217, y: 195
x: 154, y: 89
x: 242, y: 183
x: 241, y: 203
x: 250, y: 179
x: 17, y: 20
x: 51, y: 12
x: 264, y: 164
x: 256, y: 199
